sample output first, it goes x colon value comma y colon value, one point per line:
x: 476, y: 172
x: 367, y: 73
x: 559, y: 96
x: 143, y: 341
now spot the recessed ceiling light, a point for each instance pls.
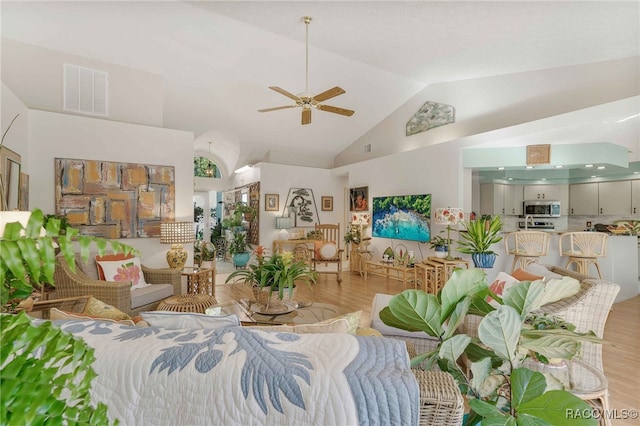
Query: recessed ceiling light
x: 543, y: 179
x: 500, y: 168
x: 529, y: 167
x: 601, y: 167
x: 512, y: 178
x: 559, y: 166
x: 588, y: 165
x: 594, y: 176
x: 636, y: 173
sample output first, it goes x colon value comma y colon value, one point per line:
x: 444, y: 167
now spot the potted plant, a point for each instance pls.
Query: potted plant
x: 204, y: 253
x: 242, y: 213
x: 500, y: 388
x: 440, y: 245
x: 239, y: 249
x: 51, y: 395
x: 478, y: 237
x: 274, y: 275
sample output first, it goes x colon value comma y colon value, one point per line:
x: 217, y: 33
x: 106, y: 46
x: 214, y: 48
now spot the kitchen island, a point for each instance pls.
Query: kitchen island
x: 619, y: 266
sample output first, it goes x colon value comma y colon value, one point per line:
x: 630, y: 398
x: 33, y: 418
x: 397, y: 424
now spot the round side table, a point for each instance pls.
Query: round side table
x: 187, y: 303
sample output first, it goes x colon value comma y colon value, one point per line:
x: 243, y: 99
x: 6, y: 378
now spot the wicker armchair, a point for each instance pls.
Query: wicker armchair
x: 166, y: 282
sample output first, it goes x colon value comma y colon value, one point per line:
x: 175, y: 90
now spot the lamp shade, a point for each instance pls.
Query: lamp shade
x: 283, y: 223
x: 449, y: 216
x: 360, y: 218
x: 177, y: 232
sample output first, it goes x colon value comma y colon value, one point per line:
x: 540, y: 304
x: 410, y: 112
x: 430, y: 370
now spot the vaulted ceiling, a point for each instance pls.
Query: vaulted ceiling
x: 217, y: 58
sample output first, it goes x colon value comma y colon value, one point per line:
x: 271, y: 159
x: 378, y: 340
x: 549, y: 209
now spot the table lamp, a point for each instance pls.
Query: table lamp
x: 176, y: 234
x: 449, y: 216
x: 283, y: 223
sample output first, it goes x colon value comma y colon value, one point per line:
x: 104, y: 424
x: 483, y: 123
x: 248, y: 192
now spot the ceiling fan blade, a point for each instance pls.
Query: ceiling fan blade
x: 331, y: 93
x: 335, y: 110
x: 285, y: 93
x: 306, y: 116
x: 277, y: 108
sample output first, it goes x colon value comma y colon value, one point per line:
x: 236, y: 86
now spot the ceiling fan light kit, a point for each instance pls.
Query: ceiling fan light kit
x: 306, y: 100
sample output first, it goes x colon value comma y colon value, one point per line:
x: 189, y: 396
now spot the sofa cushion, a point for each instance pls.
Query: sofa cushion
x: 57, y: 314
x: 336, y: 325
x: 121, y: 268
x: 537, y: 269
x: 149, y: 294
x: 522, y: 275
x: 188, y: 320
x: 98, y: 309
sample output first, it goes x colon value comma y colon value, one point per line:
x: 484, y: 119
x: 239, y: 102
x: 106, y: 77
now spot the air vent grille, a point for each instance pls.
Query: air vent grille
x: 85, y: 90
x: 367, y: 148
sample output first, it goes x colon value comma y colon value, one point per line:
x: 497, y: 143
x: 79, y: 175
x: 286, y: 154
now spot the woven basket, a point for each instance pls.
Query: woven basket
x: 262, y: 297
x: 187, y: 303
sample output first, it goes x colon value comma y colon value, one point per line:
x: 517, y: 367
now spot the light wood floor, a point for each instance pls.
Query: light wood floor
x: 621, y: 357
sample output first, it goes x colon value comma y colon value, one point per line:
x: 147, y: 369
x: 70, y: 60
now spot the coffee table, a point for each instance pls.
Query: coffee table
x: 306, y: 313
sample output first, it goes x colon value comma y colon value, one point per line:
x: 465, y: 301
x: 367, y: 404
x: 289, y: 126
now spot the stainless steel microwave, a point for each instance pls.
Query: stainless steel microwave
x: 541, y: 208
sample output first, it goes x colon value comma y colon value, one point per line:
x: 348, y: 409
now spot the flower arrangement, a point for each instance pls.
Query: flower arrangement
x: 277, y: 272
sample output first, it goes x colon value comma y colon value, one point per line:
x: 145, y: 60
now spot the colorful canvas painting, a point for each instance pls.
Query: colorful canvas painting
x: 403, y: 217
x: 114, y: 200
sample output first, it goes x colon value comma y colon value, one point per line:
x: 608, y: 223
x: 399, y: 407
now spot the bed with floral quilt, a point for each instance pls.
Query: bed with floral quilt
x: 247, y: 376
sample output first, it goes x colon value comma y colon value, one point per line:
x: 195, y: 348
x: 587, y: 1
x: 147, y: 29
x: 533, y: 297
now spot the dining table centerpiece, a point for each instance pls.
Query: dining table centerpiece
x: 272, y: 279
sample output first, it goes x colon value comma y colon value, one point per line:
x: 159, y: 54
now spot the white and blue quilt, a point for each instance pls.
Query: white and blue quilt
x: 247, y: 376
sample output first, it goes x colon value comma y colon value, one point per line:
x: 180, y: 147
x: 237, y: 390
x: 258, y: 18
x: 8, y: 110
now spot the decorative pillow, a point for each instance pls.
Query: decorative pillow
x: 57, y: 314
x: 353, y: 318
x: 502, y: 282
x: 538, y: 269
x: 98, y: 309
x: 522, y: 275
x: 368, y: 331
x: 326, y: 250
x: 123, y: 270
x: 188, y: 321
x: 338, y: 325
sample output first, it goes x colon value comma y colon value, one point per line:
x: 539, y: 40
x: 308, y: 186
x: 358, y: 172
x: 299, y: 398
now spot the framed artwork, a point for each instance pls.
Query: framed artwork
x: 359, y: 199
x: 302, y: 205
x: 113, y: 199
x: 23, y: 193
x: 272, y: 202
x: 538, y: 154
x: 327, y: 204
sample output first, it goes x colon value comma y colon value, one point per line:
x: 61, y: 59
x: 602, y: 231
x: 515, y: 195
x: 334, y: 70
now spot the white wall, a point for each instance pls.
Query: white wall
x: 279, y: 178
x: 16, y: 138
x: 54, y: 135
x: 35, y: 75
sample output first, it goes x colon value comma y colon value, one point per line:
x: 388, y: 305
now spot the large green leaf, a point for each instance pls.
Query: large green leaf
x: 558, y: 289
x: 556, y: 407
x: 552, y: 346
x: 457, y: 317
x: 463, y: 283
x: 500, y: 330
x: 525, y: 386
x: 414, y: 310
x: 484, y: 408
x: 527, y: 420
x: 451, y: 349
x: 524, y: 297
x: 480, y: 371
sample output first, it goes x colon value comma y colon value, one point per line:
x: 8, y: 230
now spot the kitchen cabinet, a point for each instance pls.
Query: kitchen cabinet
x: 635, y: 197
x: 614, y: 198
x: 583, y: 199
x: 602, y: 198
x: 497, y: 198
x: 542, y: 192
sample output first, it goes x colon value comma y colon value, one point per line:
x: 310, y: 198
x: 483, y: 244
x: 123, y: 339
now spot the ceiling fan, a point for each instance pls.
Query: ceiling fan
x: 306, y: 100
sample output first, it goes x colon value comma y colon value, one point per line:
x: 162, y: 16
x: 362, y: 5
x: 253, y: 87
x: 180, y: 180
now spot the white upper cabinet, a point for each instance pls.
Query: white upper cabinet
x: 497, y: 198
x: 604, y: 198
x: 513, y: 199
x: 635, y: 197
x: 614, y: 198
x: 583, y: 199
x: 543, y: 192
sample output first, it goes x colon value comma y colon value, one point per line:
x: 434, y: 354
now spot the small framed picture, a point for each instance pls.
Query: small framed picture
x: 327, y: 204
x: 359, y: 199
x: 272, y: 202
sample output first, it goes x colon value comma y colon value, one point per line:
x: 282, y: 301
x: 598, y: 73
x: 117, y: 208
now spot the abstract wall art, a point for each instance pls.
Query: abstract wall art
x: 430, y: 115
x: 112, y: 199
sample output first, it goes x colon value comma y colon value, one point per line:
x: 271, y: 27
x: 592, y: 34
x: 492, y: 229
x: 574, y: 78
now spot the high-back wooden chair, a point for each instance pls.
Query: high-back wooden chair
x: 327, y: 250
x: 526, y: 247
x: 583, y: 249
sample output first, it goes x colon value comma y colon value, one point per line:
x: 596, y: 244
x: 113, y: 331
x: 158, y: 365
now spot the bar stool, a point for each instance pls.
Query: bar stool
x: 583, y: 249
x: 526, y: 247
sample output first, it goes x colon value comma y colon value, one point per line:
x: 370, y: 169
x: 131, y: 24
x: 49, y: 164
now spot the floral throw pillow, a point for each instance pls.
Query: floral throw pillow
x: 125, y: 270
x: 502, y: 282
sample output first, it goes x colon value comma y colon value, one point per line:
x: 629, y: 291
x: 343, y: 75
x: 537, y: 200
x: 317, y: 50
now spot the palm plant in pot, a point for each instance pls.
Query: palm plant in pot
x: 500, y: 389
x: 270, y: 277
x: 440, y: 245
x: 478, y: 237
x: 33, y: 387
